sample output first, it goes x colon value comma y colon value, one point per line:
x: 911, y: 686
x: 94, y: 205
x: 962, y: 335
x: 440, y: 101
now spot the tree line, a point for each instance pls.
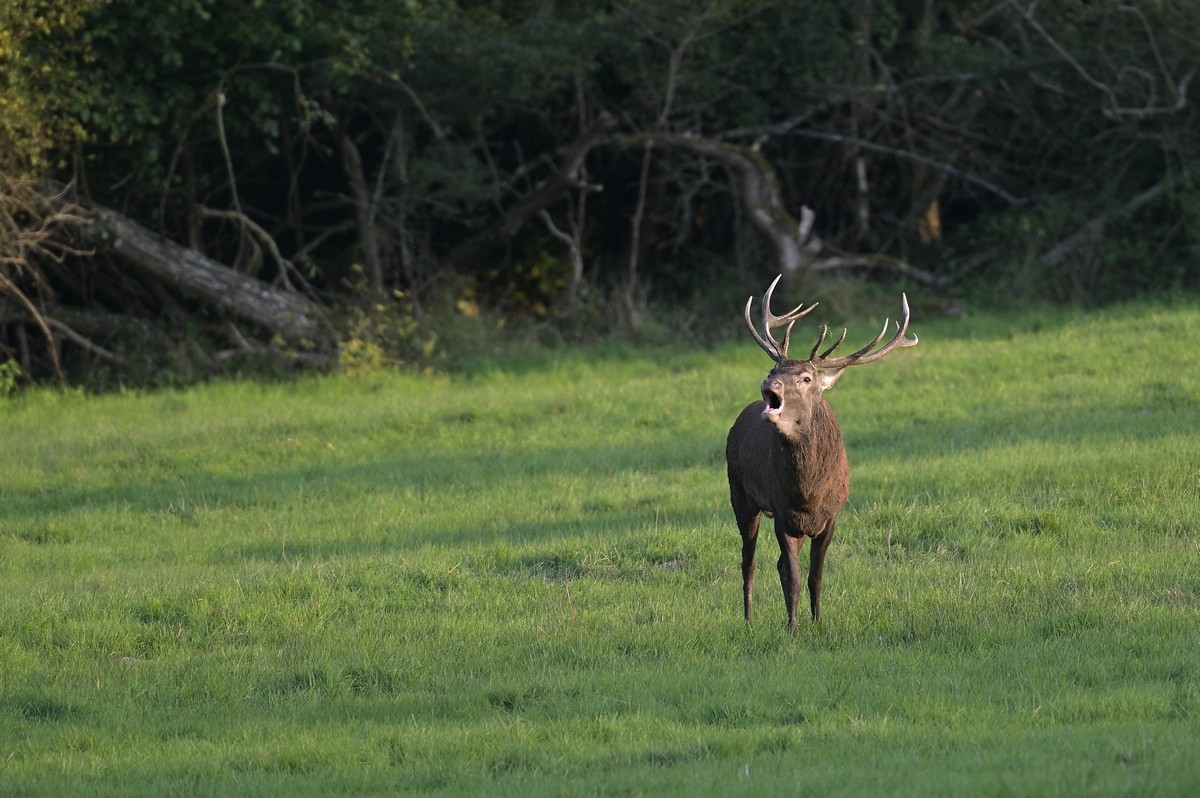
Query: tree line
x: 192, y: 185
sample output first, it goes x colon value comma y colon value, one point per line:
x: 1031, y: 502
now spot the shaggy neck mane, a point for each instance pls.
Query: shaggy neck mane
x: 815, y: 420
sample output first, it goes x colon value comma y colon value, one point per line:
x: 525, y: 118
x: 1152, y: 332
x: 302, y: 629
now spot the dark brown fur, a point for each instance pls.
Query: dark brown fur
x: 790, y: 465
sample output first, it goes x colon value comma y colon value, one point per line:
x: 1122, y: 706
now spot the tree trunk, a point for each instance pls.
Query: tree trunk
x: 364, y: 206
x: 761, y: 197
x: 289, y: 315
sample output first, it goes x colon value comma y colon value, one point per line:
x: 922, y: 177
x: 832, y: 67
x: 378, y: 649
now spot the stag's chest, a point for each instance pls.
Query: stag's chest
x: 806, y: 477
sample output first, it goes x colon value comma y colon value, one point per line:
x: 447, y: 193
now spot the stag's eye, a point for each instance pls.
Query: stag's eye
x: 806, y: 378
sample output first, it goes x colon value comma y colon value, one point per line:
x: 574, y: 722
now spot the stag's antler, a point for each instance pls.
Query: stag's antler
x: 864, y: 355
x: 777, y: 351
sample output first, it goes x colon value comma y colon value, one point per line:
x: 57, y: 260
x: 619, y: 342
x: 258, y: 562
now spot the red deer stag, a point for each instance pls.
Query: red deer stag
x: 785, y: 453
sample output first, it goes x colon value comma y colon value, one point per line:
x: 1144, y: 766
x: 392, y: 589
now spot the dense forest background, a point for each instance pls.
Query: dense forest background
x: 190, y: 187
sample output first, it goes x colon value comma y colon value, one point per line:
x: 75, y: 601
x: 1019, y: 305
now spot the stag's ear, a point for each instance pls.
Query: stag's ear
x: 829, y: 377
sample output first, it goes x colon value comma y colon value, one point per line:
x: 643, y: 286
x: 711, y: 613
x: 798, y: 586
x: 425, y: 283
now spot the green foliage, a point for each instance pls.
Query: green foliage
x: 37, y: 80
x: 1113, y: 263
x: 10, y: 376
x: 386, y: 336
x: 525, y: 580
x: 153, y: 81
x: 418, y: 137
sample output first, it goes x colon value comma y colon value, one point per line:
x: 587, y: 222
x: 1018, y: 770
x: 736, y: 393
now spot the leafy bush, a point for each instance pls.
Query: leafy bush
x: 386, y: 335
x: 10, y: 376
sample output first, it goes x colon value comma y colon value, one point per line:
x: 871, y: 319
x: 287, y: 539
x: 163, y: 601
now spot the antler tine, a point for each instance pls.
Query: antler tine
x: 820, y: 340
x: 866, y: 355
x: 860, y: 353
x: 770, y: 347
x: 832, y: 347
x: 765, y: 339
x: 787, y: 336
x: 788, y: 318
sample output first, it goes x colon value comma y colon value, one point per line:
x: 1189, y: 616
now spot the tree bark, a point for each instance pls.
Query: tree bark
x: 798, y: 253
x: 364, y: 205
x: 763, y: 200
x: 293, y: 317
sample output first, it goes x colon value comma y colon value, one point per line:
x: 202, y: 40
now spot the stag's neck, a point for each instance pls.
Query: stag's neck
x: 803, y: 429
x: 805, y: 443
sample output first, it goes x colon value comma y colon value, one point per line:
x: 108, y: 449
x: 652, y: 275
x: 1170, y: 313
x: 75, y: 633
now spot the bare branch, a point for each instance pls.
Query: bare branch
x: 575, y: 252
x: 1095, y: 228
x: 857, y: 93
x: 881, y: 263
x: 933, y: 163
x: 29, y: 228
x: 246, y: 346
x: 7, y: 285
x: 81, y: 341
x: 264, y: 238
x: 394, y: 78
x: 1115, y: 110
x: 564, y: 178
x: 1062, y: 51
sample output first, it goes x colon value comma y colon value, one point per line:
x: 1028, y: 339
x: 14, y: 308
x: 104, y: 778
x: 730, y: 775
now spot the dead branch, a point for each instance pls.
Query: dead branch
x: 80, y: 340
x: 925, y: 160
x: 881, y: 263
x: 38, y: 318
x: 1094, y: 229
x: 576, y: 255
x: 1115, y: 110
x: 262, y: 236
x: 94, y: 323
x: 245, y: 346
x: 29, y: 227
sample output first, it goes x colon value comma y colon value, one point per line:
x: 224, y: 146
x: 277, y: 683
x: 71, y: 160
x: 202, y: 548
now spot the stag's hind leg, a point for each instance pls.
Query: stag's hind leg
x: 816, y: 567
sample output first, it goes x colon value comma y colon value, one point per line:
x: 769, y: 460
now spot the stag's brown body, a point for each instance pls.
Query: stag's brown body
x: 786, y: 458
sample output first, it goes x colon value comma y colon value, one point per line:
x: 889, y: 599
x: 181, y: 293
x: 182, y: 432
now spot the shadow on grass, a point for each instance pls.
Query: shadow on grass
x: 43, y: 517
x: 46, y: 516
x: 38, y: 708
x: 1153, y: 416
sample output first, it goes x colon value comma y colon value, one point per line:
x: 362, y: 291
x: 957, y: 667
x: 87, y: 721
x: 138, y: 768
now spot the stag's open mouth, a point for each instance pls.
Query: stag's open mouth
x: 774, y: 403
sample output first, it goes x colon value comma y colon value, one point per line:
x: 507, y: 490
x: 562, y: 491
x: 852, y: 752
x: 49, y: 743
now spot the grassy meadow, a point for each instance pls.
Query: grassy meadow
x: 523, y: 578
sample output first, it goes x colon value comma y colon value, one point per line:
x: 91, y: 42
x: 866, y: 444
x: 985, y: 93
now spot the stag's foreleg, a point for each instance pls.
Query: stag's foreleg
x: 789, y: 572
x: 816, y: 567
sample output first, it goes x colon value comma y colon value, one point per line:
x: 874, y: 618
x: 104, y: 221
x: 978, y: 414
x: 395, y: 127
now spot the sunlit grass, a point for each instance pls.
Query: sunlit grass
x: 524, y: 579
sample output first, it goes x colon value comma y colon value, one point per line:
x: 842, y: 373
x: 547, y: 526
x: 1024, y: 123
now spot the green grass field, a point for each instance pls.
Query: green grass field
x: 523, y: 579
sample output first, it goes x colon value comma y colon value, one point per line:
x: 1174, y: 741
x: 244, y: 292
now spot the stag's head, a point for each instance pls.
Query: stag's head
x: 794, y: 388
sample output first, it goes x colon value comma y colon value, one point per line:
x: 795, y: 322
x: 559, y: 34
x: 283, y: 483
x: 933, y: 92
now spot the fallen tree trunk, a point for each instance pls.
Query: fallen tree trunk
x: 291, y: 316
